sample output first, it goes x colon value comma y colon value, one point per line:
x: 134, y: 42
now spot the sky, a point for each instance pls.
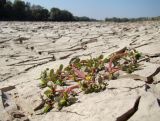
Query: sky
x: 100, y: 9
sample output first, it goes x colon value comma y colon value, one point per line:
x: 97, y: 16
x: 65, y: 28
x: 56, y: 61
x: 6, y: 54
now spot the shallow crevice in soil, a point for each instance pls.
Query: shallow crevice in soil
x: 130, y: 112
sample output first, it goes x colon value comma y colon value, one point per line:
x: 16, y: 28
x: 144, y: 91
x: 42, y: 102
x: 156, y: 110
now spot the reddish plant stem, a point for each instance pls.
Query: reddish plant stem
x: 114, y: 70
x: 79, y: 73
x: 69, y: 89
x: 117, y: 56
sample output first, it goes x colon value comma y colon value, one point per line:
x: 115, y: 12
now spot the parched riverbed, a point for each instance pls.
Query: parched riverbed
x: 27, y: 48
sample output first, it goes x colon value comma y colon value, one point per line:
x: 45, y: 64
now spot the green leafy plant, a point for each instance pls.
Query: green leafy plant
x: 90, y: 76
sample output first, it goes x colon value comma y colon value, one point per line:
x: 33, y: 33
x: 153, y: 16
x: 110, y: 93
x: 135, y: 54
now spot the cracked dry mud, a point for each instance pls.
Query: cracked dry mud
x: 28, y: 48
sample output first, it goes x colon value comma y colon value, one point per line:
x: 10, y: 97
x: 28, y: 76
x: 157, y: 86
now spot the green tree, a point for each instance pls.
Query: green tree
x: 2, y: 12
x: 66, y: 16
x: 7, y: 10
x: 60, y: 15
x: 39, y: 13
x: 83, y: 18
x: 55, y: 14
x: 19, y: 9
x: 28, y: 11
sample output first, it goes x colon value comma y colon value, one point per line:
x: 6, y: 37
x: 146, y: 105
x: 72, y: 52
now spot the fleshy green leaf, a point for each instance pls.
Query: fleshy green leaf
x: 62, y: 102
x: 43, y: 83
x: 138, y: 55
x: 106, y: 60
x: 52, y: 75
x: 59, y: 82
x: 65, y: 95
x: 61, y: 67
x: 100, y: 57
x: 48, y: 93
x: 47, y: 108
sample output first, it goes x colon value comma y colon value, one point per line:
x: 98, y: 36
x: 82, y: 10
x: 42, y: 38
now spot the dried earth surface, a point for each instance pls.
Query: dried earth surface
x: 27, y: 48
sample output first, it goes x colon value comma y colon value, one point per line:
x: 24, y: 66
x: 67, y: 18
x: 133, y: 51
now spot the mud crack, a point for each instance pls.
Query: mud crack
x: 130, y: 112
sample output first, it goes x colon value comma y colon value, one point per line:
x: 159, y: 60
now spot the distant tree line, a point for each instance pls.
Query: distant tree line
x: 115, y: 19
x: 24, y: 11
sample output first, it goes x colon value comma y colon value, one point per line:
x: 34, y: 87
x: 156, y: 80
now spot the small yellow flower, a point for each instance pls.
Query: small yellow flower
x: 88, y: 78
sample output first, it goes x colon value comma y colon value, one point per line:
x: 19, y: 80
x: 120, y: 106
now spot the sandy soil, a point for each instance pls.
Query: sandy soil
x: 27, y: 48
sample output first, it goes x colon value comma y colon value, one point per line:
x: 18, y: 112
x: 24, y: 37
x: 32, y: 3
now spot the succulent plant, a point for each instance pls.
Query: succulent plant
x: 90, y: 76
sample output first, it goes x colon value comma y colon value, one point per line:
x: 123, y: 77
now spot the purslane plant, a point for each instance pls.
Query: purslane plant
x: 89, y: 75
